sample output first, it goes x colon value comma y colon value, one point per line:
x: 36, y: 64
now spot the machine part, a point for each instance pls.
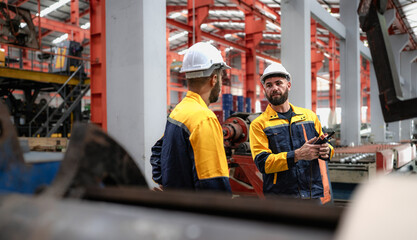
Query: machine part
x: 12, y: 31
x: 235, y: 132
x: 271, y: 210
x: 394, y: 106
x: 236, y: 129
x: 23, y: 217
x: 385, y: 161
x: 245, y: 172
x: 64, y: 64
x: 93, y: 159
x: 403, y: 154
x: 245, y: 178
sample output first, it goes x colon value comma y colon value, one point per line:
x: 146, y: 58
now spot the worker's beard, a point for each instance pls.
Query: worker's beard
x: 214, y: 93
x: 278, y: 100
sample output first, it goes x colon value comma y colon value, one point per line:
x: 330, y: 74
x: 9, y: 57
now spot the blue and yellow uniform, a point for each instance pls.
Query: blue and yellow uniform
x: 191, y: 155
x: 273, y: 141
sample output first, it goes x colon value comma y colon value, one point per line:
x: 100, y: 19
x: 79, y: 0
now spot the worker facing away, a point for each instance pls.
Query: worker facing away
x: 191, y: 155
x: 282, y: 143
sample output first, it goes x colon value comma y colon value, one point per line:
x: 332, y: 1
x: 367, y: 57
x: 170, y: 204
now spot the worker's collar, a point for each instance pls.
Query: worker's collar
x: 196, y: 97
x: 297, y: 112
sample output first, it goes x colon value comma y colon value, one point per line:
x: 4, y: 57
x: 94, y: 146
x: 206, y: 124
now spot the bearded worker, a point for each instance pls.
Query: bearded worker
x: 282, y: 143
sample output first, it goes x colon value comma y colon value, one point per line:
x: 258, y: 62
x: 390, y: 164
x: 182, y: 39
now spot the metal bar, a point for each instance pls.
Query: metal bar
x: 98, y: 66
x: 39, y: 26
x: 296, y: 211
x: 49, y: 118
x: 68, y: 111
x: 60, y: 26
x: 50, y: 100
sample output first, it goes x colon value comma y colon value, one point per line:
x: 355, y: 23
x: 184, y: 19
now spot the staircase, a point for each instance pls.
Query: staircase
x: 62, y: 112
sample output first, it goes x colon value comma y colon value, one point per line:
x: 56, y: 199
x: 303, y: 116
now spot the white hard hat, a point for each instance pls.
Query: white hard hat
x: 275, y: 68
x: 201, y: 59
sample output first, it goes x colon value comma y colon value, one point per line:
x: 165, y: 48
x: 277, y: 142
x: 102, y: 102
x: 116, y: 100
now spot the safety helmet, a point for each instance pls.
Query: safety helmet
x: 201, y: 60
x: 275, y: 68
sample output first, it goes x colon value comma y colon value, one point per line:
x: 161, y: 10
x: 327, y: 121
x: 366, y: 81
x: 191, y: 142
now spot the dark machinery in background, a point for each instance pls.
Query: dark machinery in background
x: 22, y: 111
x: 16, y: 27
x: 64, y: 64
x: 33, y: 117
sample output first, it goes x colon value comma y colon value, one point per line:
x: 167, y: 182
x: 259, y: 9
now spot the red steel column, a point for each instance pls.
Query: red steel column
x: 261, y: 71
x: 368, y: 96
x: 332, y: 73
x: 75, y: 20
x: 200, y: 8
x: 253, y: 29
x: 317, y: 58
x: 98, y: 63
x: 365, y: 86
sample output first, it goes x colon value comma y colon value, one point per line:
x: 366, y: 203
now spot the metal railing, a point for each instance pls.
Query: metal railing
x: 46, y: 106
x: 18, y: 57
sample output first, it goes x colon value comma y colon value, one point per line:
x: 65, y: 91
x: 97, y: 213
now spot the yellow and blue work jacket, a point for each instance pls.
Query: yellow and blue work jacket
x: 191, y: 155
x: 273, y: 141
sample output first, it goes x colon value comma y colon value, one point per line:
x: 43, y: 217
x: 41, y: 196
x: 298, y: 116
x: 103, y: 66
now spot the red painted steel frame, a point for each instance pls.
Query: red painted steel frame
x: 98, y: 63
x: 252, y: 173
x: 254, y: 28
x: 201, y: 12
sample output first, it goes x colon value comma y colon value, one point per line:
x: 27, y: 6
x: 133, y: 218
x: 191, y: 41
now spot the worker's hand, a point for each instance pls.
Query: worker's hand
x: 309, y: 151
x: 324, y: 151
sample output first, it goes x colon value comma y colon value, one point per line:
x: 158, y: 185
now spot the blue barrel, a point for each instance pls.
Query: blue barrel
x: 227, y: 100
x: 248, y: 105
x: 240, y: 104
x: 227, y: 114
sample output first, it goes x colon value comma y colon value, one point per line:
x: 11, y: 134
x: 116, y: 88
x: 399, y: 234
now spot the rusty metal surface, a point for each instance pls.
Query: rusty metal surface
x: 93, y: 159
x: 288, y: 211
x: 371, y: 148
x: 23, y: 217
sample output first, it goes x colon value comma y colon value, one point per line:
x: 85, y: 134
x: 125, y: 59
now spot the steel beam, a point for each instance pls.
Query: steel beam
x: 327, y: 20
x: 253, y: 30
x: 98, y: 63
x: 255, y: 7
x: 198, y: 11
x: 35, y: 76
x: 75, y: 20
x: 60, y: 26
x: 20, y: 2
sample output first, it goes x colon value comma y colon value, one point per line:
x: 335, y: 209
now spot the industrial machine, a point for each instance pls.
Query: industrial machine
x: 62, y: 63
x: 17, y: 27
x: 394, y: 105
x: 351, y: 166
x: 245, y: 179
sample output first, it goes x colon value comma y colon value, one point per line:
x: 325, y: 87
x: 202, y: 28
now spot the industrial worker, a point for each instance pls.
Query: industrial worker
x: 191, y: 154
x: 282, y: 143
